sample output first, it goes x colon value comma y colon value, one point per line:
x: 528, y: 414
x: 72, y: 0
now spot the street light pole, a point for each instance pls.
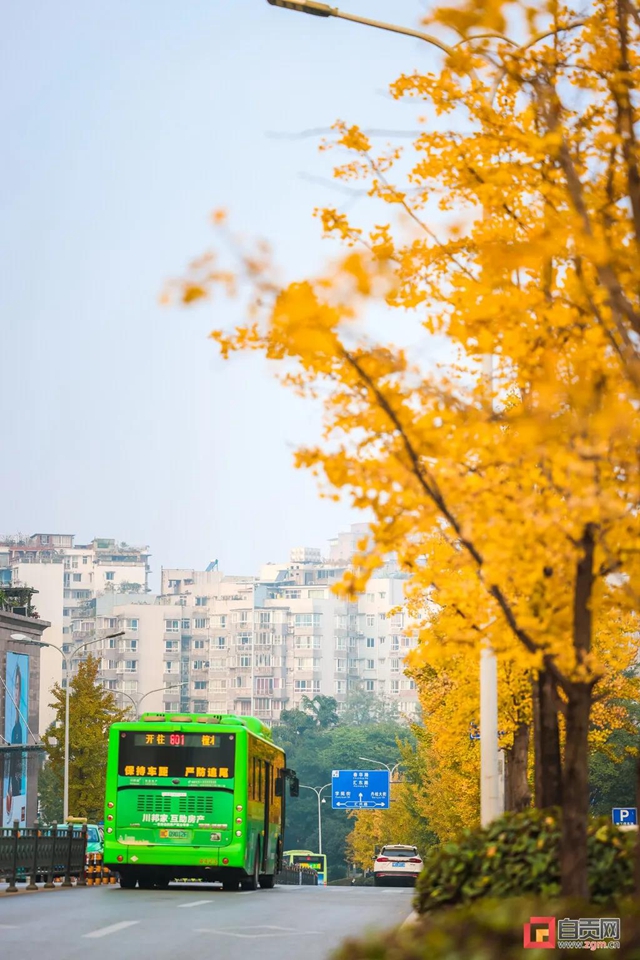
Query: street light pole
x: 136, y: 705
x: 42, y: 643
x: 490, y: 800
x: 318, y: 793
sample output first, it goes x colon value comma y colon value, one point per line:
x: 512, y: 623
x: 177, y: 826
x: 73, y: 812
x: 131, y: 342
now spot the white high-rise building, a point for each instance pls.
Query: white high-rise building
x: 215, y: 643
x: 68, y: 577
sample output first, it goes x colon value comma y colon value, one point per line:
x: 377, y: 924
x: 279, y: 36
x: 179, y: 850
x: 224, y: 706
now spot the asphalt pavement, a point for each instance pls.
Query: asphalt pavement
x: 192, y: 920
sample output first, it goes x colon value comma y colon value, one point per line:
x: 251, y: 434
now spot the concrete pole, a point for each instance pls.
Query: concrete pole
x: 490, y: 795
x: 65, y: 802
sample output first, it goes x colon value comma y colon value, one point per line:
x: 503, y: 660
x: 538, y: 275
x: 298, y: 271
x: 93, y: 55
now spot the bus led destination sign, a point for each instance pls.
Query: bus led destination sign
x: 176, y: 755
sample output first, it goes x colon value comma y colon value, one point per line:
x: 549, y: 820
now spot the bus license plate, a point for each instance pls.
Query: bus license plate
x: 175, y: 834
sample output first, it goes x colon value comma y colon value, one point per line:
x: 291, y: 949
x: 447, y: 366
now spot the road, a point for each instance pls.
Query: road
x: 187, y: 920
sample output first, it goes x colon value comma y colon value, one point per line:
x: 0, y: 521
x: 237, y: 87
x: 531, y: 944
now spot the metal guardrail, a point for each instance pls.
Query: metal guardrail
x: 297, y: 876
x: 42, y: 853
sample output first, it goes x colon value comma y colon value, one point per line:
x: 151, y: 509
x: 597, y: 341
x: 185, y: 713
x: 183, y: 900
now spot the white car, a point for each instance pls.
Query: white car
x: 397, y: 863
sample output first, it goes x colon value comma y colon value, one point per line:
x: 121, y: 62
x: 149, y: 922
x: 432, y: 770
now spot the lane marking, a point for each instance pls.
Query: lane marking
x: 113, y: 928
x: 194, y: 903
x: 271, y: 932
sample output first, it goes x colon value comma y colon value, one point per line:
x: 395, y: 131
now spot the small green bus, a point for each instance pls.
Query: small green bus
x: 195, y: 796
x: 306, y: 858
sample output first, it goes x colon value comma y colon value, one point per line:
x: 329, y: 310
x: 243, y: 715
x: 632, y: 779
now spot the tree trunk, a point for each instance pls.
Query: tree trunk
x: 546, y: 740
x: 575, y: 792
x: 517, y: 792
x: 575, y: 779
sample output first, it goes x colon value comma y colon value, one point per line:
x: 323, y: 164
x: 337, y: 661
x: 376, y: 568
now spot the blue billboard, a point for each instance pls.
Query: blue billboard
x: 16, y: 716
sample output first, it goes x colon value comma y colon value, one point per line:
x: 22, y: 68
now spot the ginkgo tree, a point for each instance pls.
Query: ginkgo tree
x: 510, y: 226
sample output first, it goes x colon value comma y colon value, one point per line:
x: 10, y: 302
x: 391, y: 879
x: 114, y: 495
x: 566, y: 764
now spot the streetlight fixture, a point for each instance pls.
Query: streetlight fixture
x: 65, y: 656
x: 324, y: 10
x: 318, y: 793
x: 391, y: 770
x: 136, y: 705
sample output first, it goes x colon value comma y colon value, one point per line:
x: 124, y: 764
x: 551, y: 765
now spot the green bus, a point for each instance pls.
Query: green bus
x: 195, y: 796
x: 306, y: 858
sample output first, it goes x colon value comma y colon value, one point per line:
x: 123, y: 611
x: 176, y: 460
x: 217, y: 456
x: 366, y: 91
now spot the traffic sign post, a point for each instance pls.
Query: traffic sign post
x: 360, y: 789
x: 625, y: 817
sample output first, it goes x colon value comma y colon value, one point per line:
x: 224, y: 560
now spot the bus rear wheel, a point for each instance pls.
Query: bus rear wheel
x: 127, y: 881
x: 267, y: 881
x: 251, y: 883
x: 230, y: 886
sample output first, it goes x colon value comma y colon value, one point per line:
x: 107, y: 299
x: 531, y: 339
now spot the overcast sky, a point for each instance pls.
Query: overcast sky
x: 125, y: 123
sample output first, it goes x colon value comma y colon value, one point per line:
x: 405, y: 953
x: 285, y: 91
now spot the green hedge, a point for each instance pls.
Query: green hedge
x: 487, y: 930
x: 519, y: 854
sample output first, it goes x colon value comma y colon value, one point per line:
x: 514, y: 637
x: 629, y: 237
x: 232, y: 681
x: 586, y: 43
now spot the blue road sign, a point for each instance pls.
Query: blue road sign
x: 625, y: 816
x: 360, y: 789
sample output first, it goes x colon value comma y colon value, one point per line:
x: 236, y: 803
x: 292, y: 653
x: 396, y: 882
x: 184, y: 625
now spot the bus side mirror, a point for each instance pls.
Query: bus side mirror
x: 278, y: 785
x: 294, y: 787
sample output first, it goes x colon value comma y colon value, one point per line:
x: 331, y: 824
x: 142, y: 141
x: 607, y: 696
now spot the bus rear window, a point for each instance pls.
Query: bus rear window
x: 162, y: 753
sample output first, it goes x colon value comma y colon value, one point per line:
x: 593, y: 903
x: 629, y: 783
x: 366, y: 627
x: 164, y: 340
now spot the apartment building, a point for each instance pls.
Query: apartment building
x: 68, y: 578
x: 209, y: 642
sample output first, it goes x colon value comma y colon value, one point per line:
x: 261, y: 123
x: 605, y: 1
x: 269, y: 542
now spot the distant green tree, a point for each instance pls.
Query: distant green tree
x: 612, y: 770
x: 50, y: 794
x: 368, y: 708
x: 313, y: 753
x: 92, y: 710
x: 323, y: 710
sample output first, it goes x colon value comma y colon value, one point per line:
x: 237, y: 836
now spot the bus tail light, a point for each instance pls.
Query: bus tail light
x: 225, y: 859
x: 110, y: 805
x: 120, y: 858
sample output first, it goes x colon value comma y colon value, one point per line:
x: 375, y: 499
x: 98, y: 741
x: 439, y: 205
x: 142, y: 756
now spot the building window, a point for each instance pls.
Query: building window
x: 201, y: 601
x: 168, y: 667
x: 368, y: 685
x: 77, y: 577
x: 200, y: 664
x: 130, y: 666
x: 264, y: 685
x: 395, y: 665
x: 200, y: 684
x: 382, y: 595
x: 382, y: 616
x: 186, y: 624
x: 200, y: 623
x: 370, y: 664
x: 171, y: 626
x: 340, y: 686
x: 198, y: 644
x: 221, y: 642
x: 307, y: 619
x: 200, y: 706
x: 244, y: 660
x: 170, y: 645
x: 371, y: 642
x: 371, y: 597
x: 395, y: 643
x: 110, y: 575
x: 132, y: 624
x: 85, y: 560
x: 263, y: 704
x: 370, y: 619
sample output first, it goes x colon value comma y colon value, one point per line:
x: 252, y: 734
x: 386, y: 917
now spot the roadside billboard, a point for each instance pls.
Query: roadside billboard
x: 16, y: 715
